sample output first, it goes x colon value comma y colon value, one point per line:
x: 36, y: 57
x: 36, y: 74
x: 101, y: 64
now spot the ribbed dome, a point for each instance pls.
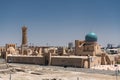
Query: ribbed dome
x: 91, y: 37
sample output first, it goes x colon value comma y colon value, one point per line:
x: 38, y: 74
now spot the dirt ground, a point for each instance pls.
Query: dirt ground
x: 57, y: 76
x: 34, y: 73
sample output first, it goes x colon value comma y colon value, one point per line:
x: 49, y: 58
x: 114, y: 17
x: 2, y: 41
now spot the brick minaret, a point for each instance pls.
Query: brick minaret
x: 24, y: 36
x: 24, y: 44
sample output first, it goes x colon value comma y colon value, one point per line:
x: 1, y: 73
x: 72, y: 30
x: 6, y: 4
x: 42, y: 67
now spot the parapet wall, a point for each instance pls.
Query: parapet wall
x: 26, y: 59
x: 71, y: 61
x: 68, y: 61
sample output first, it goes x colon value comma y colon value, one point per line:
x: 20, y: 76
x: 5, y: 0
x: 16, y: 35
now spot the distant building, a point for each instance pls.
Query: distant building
x: 70, y: 45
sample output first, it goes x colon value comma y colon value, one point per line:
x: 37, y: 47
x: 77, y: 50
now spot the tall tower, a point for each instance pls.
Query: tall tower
x: 24, y: 36
x: 24, y: 45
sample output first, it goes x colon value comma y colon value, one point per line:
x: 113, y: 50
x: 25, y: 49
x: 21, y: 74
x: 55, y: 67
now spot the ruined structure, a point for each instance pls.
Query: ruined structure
x: 87, y: 53
x: 10, y: 45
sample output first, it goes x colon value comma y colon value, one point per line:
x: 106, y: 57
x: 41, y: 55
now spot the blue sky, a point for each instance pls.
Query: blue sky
x: 58, y: 22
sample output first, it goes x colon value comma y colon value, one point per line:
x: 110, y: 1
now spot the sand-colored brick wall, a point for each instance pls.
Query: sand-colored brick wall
x: 26, y: 59
x: 71, y: 61
x: 68, y: 61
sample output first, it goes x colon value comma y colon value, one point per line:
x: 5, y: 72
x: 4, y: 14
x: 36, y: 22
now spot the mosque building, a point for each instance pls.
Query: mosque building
x: 89, y: 46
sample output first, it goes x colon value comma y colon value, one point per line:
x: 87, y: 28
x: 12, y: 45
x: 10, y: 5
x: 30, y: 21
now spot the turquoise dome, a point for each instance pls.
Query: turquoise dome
x: 91, y: 37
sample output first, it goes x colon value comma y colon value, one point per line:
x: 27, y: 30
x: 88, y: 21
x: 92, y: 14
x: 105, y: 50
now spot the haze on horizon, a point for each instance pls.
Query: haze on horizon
x: 58, y: 22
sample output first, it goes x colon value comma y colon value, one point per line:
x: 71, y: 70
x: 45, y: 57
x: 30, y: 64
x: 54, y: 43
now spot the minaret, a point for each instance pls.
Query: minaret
x: 24, y: 36
x: 24, y: 45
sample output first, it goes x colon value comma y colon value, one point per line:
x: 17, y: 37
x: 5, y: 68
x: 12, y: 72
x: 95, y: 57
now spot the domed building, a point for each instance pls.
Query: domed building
x: 91, y: 49
x: 91, y: 37
x: 89, y: 46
